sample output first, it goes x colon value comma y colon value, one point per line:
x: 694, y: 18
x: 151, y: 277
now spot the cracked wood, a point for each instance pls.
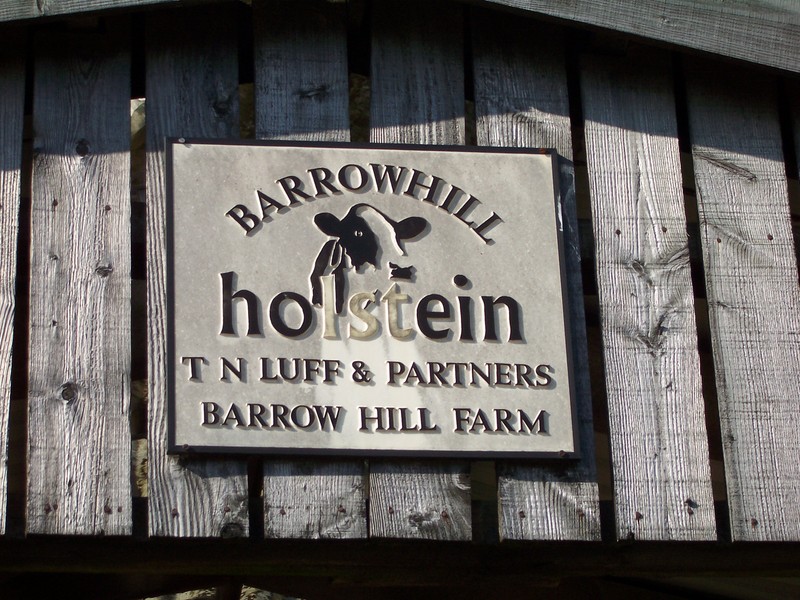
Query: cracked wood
x: 79, y: 438
x: 753, y: 294
x: 659, y: 446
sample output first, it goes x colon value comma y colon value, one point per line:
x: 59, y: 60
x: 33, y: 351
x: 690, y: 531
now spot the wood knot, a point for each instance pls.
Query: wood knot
x: 82, y: 147
x: 104, y: 270
x: 174, y: 513
x: 222, y: 107
x: 521, y: 514
x: 68, y: 392
x: 753, y: 523
x: 391, y: 510
x: 639, y: 516
x: 319, y: 91
x: 231, y: 530
x: 444, y: 515
x: 341, y: 509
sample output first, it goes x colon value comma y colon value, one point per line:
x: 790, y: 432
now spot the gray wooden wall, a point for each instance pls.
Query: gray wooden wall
x: 673, y: 170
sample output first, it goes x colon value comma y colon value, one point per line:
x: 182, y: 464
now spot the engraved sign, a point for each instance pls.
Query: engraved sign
x: 341, y: 299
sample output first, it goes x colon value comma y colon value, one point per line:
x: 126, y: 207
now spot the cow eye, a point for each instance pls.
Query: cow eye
x: 358, y: 233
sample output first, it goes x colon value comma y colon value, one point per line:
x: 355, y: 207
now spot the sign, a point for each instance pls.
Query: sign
x: 335, y: 299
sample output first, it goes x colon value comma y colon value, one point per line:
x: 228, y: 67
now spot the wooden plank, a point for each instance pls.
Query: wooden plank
x: 15, y: 10
x: 758, y: 31
x: 753, y: 294
x: 418, y: 97
x: 301, y: 93
x: 79, y: 439
x: 12, y: 98
x: 521, y: 100
x: 192, y: 91
x: 792, y: 88
x: 659, y: 445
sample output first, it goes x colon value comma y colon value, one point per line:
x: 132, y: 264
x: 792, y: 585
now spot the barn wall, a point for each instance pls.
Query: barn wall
x: 678, y: 181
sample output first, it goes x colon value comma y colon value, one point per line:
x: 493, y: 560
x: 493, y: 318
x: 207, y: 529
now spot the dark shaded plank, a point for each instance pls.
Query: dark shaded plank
x: 301, y: 93
x: 759, y: 31
x: 659, y: 445
x: 521, y: 100
x: 418, y: 97
x: 79, y: 439
x: 12, y: 97
x: 753, y: 295
x: 192, y: 90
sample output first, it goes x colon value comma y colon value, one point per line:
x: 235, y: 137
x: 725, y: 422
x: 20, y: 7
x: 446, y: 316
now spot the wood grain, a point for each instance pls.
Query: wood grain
x: 301, y: 93
x: 79, y: 439
x: 521, y: 100
x: 758, y: 31
x: 418, y: 97
x: 12, y: 98
x: 14, y: 10
x: 753, y: 294
x: 192, y: 91
x: 417, y: 74
x: 659, y: 445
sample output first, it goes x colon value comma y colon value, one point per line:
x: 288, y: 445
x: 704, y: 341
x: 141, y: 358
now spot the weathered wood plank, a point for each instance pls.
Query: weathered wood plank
x: 192, y: 91
x: 418, y: 97
x: 14, y: 10
x: 659, y: 445
x: 521, y: 100
x: 753, y: 294
x: 301, y: 93
x: 12, y: 97
x: 759, y: 31
x: 79, y: 440
x: 792, y: 88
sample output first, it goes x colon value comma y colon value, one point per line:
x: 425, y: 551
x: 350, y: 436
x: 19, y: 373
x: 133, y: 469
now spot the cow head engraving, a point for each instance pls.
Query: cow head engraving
x: 354, y: 245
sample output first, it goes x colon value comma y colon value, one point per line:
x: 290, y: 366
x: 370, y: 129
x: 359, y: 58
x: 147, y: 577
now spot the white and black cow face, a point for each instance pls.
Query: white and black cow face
x: 354, y: 235
x: 359, y: 239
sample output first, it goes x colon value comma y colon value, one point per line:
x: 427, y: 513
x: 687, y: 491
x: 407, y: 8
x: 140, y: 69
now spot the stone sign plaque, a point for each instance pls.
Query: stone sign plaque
x: 341, y: 299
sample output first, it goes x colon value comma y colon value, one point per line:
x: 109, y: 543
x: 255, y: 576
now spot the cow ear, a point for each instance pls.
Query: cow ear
x: 410, y: 227
x: 329, y: 224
